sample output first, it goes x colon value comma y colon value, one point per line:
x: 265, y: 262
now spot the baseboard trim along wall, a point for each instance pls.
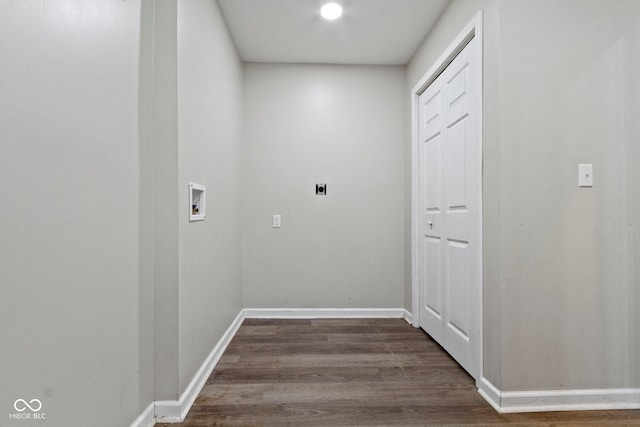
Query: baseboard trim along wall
x: 559, y: 400
x: 175, y: 411
x: 323, y: 313
x: 168, y: 411
x: 408, y: 317
x: 489, y: 392
x: 146, y: 418
x: 193, y: 389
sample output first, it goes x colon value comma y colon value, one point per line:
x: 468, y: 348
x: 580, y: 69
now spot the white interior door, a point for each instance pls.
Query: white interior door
x: 450, y: 202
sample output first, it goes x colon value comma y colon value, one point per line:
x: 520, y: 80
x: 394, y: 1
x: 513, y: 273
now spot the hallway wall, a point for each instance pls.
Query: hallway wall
x: 567, y: 253
x: 210, y: 141
x: 69, y: 191
x: 339, y: 125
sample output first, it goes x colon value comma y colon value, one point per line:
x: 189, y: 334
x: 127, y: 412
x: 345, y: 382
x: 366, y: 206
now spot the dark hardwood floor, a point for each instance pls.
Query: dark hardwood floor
x: 353, y: 372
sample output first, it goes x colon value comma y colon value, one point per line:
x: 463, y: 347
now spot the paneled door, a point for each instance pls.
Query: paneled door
x: 450, y: 203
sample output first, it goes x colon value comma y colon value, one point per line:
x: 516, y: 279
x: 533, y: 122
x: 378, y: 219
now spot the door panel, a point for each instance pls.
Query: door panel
x: 431, y: 208
x: 458, y: 315
x: 432, y: 118
x: 433, y: 181
x: 456, y: 166
x: 456, y: 90
x: 432, y: 264
x: 450, y: 191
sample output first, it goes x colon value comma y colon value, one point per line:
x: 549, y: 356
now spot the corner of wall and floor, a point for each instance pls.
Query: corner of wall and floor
x: 175, y: 411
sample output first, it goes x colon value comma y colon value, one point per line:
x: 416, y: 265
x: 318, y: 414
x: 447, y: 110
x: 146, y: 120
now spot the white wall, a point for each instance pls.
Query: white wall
x: 210, y: 131
x: 340, y: 125
x: 561, y: 299
x: 566, y: 253
x: 113, y: 299
x: 69, y: 210
x: 159, y: 195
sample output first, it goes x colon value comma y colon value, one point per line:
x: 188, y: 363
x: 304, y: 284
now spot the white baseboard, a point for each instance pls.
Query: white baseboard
x: 559, y: 400
x: 570, y: 400
x: 490, y: 393
x: 146, y: 418
x: 195, y: 386
x: 408, y: 317
x: 323, y: 313
x: 175, y: 411
x: 167, y: 411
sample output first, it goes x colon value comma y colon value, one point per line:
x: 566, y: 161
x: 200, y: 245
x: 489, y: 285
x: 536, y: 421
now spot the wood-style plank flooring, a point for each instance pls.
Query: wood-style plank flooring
x: 353, y: 372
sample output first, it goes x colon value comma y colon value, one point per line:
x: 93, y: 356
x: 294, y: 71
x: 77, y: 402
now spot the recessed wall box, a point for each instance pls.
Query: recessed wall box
x: 321, y: 189
x: 197, y: 202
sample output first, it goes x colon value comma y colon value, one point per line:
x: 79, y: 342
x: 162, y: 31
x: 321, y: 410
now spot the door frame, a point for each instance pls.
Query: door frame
x: 472, y: 30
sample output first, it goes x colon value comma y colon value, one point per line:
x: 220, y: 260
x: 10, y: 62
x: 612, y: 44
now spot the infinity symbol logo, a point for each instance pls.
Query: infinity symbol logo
x: 21, y: 403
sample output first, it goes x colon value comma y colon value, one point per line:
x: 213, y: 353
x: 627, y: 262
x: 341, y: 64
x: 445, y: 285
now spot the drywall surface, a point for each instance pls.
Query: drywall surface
x: 339, y: 125
x: 560, y: 282
x: 159, y: 196
x: 210, y: 135
x: 146, y: 320
x: 69, y: 211
x: 454, y: 18
x: 569, y: 95
x: 632, y: 68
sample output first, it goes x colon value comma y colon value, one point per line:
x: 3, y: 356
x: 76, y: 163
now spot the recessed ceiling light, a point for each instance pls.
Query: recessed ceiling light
x: 331, y: 11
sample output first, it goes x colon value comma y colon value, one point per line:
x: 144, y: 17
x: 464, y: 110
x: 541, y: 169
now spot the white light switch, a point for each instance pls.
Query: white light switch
x: 276, y: 221
x: 585, y: 175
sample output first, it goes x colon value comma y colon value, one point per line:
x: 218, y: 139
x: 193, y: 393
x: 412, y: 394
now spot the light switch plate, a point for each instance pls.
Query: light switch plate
x: 585, y: 175
x: 277, y: 221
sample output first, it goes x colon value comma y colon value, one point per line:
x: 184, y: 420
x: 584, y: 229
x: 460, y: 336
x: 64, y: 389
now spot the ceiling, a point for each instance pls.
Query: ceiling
x: 292, y: 31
